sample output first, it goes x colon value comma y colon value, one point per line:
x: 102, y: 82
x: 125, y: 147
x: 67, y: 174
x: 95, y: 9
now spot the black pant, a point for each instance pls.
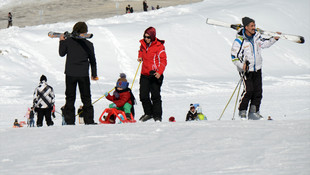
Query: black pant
x: 253, y: 90
x: 151, y: 106
x: 47, y: 112
x: 84, y: 87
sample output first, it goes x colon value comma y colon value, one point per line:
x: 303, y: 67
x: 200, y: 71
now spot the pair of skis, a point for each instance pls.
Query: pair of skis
x: 70, y: 35
x: 294, y: 38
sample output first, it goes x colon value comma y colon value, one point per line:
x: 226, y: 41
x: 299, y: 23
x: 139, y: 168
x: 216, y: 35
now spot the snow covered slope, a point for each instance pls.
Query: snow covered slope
x: 199, y: 71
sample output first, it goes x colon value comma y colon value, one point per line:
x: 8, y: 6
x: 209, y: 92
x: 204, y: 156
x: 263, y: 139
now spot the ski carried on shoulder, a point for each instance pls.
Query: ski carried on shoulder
x: 294, y: 38
x: 70, y: 35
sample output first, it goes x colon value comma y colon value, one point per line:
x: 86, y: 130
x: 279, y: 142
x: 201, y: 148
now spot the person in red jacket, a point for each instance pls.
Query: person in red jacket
x: 153, y: 55
x: 121, y: 98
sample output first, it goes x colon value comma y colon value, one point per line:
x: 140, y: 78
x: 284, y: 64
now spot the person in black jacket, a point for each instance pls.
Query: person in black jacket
x: 192, y: 113
x: 10, y: 20
x: 80, y: 55
x: 145, y: 6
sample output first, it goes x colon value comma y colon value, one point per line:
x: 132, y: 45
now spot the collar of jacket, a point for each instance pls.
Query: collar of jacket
x: 241, y: 33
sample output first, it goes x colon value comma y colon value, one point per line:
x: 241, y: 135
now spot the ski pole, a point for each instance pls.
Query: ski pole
x: 135, y: 75
x: 96, y: 101
x: 236, y: 102
x: 230, y: 98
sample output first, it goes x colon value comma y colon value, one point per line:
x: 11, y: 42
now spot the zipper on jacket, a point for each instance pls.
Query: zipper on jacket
x: 252, y: 43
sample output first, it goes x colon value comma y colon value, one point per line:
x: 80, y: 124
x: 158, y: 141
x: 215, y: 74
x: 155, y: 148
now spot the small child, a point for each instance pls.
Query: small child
x: 31, y: 117
x: 192, y: 113
x: 200, y: 115
x: 122, y: 97
x: 16, y: 124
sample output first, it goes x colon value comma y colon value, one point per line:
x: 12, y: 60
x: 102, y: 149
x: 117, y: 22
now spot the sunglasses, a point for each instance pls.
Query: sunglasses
x: 148, y: 37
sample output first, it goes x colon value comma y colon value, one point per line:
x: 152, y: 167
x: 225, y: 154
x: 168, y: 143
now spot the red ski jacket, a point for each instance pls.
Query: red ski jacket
x: 124, y: 97
x: 154, y: 57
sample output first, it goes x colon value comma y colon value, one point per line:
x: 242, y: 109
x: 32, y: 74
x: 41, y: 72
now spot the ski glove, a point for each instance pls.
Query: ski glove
x: 114, y: 105
x: 106, y: 94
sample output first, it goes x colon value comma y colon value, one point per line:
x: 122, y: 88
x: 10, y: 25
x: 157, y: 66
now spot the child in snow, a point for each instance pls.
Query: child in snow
x: 122, y: 97
x: 200, y: 115
x: 192, y: 113
x: 16, y: 124
x: 31, y: 117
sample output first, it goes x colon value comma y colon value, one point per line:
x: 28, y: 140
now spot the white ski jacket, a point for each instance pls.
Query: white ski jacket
x: 43, y: 96
x: 245, y: 49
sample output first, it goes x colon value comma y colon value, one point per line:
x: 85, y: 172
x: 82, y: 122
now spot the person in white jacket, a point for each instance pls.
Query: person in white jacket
x: 246, y: 55
x: 43, y: 102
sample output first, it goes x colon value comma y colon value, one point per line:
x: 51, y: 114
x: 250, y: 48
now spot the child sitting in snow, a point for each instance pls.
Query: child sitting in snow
x: 16, y: 124
x: 195, y: 113
x: 122, y: 98
x: 192, y: 113
x: 200, y: 115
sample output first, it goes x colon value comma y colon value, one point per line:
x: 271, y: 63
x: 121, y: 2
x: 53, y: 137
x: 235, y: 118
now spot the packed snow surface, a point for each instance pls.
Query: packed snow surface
x: 199, y: 70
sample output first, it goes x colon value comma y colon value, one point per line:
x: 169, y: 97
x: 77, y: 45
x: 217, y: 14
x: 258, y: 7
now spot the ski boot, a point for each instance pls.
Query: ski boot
x: 253, y: 114
x: 145, y: 118
x: 242, y: 114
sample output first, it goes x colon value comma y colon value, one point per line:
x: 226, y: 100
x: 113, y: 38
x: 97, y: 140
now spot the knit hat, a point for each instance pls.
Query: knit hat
x: 122, y: 81
x: 152, y: 32
x: 43, y: 78
x: 192, y: 106
x: 80, y: 27
x: 246, y: 21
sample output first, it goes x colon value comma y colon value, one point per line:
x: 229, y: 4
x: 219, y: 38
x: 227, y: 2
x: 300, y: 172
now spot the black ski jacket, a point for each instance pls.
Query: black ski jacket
x: 191, y: 116
x: 80, y: 54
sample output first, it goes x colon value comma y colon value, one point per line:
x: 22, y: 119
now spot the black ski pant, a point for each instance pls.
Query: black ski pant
x: 44, y: 112
x: 150, y: 85
x: 84, y: 87
x: 253, y: 90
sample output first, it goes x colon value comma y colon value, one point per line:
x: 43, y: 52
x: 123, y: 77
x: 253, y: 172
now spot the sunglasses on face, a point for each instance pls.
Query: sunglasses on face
x: 148, y: 37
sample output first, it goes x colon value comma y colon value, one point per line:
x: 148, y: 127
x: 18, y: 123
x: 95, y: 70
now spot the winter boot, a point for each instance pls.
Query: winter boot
x: 157, y: 119
x: 253, y: 114
x: 112, y: 119
x: 145, y: 117
x: 128, y: 116
x: 242, y: 114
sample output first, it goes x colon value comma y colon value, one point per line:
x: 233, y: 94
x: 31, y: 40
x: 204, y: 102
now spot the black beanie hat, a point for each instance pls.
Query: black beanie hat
x: 43, y: 78
x: 80, y: 27
x: 246, y: 21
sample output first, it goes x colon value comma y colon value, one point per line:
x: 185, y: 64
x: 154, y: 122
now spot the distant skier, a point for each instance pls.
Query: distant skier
x: 247, y: 48
x: 122, y: 98
x: 152, y: 53
x: 43, y: 102
x: 145, y: 6
x: 10, y: 20
x: 80, y: 55
x: 128, y: 9
x: 192, y: 113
